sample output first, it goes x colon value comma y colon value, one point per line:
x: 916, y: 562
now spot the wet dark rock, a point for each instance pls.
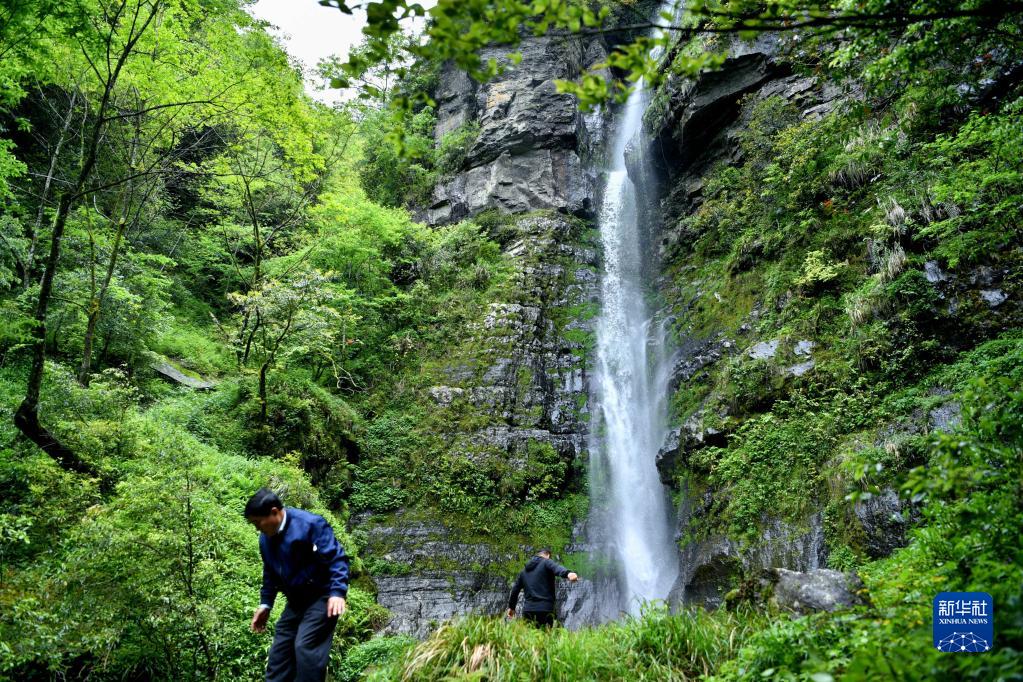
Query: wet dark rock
x: 714, y: 564
x: 945, y: 417
x: 696, y: 110
x: 668, y: 456
x: 712, y: 580
x: 431, y: 575
x: 883, y: 521
x: 993, y: 297
x: 933, y: 272
x: 594, y: 598
x: 419, y: 603
x: 586, y: 602
x: 680, y: 444
x: 693, y: 356
x: 695, y: 124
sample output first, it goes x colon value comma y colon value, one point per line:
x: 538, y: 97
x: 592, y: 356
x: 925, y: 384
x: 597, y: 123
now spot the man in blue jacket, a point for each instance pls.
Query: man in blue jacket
x: 537, y: 581
x: 302, y: 559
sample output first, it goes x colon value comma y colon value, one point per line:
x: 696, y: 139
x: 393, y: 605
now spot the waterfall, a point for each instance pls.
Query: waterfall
x: 632, y: 517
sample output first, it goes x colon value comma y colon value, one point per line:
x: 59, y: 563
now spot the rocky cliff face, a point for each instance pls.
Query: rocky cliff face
x: 738, y: 351
x: 693, y: 123
x: 523, y: 368
x: 692, y: 126
x: 516, y: 388
x: 517, y: 382
x: 533, y: 144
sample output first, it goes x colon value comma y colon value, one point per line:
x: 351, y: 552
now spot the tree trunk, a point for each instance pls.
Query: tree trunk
x: 27, y: 416
x: 263, y: 369
x: 33, y: 238
x: 252, y: 334
x: 96, y: 305
x: 106, y: 347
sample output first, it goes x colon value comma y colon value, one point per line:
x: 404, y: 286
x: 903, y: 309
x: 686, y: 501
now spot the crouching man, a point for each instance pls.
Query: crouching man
x: 537, y: 581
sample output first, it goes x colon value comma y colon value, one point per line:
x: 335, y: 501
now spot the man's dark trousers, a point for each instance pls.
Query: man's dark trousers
x: 301, y: 646
x: 539, y: 618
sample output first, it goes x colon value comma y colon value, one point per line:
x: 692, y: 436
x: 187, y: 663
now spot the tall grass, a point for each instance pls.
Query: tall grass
x: 656, y: 646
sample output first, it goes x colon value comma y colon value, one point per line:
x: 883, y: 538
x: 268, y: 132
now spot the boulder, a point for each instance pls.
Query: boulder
x: 172, y: 373
x: 993, y: 297
x: 821, y: 589
x: 516, y: 183
x: 419, y: 603
x: 764, y: 350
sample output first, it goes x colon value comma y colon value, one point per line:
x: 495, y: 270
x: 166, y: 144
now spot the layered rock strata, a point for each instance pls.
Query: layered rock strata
x: 533, y: 144
x: 521, y: 373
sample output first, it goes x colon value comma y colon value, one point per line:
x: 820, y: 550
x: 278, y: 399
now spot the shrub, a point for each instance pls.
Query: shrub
x: 363, y: 658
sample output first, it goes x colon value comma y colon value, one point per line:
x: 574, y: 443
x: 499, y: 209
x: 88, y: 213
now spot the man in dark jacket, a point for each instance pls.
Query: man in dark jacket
x: 537, y: 581
x: 302, y: 559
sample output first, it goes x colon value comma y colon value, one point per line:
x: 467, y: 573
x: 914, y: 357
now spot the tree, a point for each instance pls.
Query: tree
x: 67, y: 114
x: 117, y: 31
x: 285, y: 311
x: 264, y: 195
x: 139, y: 88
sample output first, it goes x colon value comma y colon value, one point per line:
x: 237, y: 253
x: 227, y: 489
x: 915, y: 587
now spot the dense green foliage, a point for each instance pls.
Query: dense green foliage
x: 839, y: 216
x: 169, y: 198
x: 457, y: 30
x: 222, y: 231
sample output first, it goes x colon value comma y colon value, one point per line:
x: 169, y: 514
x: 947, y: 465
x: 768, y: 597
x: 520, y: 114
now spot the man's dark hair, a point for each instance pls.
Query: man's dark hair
x: 262, y: 503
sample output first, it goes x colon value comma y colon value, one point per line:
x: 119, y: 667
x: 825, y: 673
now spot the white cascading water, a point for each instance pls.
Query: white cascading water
x: 634, y: 519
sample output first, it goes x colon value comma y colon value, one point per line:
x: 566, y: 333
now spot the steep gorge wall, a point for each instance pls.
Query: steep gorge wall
x: 513, y: 390
x: 747, y: 345
x: 766, y: 353
x: 693, y: 126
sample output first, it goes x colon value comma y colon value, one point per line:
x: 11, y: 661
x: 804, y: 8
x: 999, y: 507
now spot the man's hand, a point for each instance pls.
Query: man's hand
x: 335, y: 607
x: 259, y: 619
x: 572, y: 577
x: 511, y: 613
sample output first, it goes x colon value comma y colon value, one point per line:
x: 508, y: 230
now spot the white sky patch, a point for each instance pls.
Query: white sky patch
x: 311, y: 32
